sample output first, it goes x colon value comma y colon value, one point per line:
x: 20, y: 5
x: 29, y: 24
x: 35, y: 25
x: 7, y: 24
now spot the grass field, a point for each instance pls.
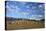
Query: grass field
x: 12, y: 25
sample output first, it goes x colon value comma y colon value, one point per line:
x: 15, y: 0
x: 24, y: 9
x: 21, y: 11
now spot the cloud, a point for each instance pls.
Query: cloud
x: 23, y: 3
x: 24, y: 13
x: 29, y: 6
x: 34, y: 7
x: 40, y: 6
x: 7, y: 6
x: 36, y: 17
x: 21, y: 10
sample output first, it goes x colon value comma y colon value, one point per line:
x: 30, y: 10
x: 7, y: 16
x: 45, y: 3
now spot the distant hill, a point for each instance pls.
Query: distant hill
x: 13, y: 19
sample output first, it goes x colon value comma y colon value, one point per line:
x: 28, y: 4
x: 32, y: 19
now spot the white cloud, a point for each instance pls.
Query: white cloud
x: 28, y: 10
x: 24, y: 13
x: 40, y: 6
x: 7, y: 6
x: 7, y: 3
x: 27, y: 6
x: 34, y: 7
x: 23, y: 3
x: 36, y: 17
x: 12, y: 6
x: 14, y: 10
x: 17, y: 9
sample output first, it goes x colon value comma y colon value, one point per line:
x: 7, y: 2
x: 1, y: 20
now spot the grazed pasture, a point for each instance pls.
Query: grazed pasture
x: 12, y: 25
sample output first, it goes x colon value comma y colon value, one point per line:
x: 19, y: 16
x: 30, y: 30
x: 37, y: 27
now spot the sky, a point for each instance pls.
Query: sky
x: 29, y: 10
